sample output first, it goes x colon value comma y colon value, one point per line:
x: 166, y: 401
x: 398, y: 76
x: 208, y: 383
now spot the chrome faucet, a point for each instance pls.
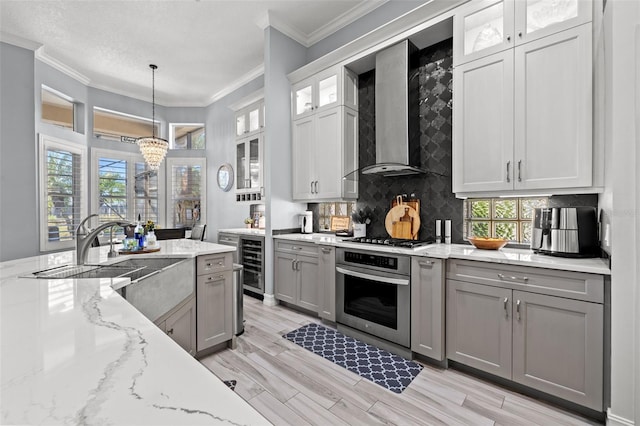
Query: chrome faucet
x: 85, y: 237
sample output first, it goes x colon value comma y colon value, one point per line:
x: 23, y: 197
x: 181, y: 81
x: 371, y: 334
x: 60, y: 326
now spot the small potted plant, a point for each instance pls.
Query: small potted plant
x: 248, y: 222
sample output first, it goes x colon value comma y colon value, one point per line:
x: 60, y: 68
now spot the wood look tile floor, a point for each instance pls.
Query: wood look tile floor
x: 290, y: 385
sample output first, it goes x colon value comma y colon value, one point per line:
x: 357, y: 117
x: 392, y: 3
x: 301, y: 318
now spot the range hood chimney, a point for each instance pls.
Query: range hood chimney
x: 397, y: 112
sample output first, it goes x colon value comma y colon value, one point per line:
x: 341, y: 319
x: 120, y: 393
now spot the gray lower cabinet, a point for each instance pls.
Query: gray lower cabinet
x: 427, y: 307
x: 214, y: 292
x: 479, y: 327
x: 327, y: 283
x: 296, y: 274
x: 180, y: 325
x: 558, y: 347
x: 499, y: 321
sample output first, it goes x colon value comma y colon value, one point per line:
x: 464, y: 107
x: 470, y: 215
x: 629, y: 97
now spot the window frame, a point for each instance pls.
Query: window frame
x: 185, y: 161
x: 131, y: 158
x: 172, y: 135
x: 493, y: 221
x: 120, y: 137
x: 62, y: 96
x: 45, y: 143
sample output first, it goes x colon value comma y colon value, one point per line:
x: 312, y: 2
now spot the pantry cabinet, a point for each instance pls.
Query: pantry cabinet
x: 523, y: 117
x: 427, y: 307
x: 485, y: 27
x: 325, y: 155
x: 541, y: 328
x: 296, y: 274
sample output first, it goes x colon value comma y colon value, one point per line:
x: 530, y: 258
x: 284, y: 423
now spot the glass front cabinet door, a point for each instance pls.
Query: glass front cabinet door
x: 250, y: 120
x: 484, y: 27
x: 249, y: 164
x: 331, y: 87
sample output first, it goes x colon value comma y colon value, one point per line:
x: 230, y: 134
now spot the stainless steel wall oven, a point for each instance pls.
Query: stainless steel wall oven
x: 373, y: 293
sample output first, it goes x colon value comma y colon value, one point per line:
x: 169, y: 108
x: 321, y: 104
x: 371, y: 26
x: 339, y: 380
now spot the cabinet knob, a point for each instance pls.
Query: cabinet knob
x: 508, y: 38
x: 170, y: 331
x: 520, y: 34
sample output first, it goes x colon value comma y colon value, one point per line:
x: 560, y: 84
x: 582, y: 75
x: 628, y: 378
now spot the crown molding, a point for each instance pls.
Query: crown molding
x: 343, y: 20
x: 307, y: 40
x: 19, y: 41
x: 254, y: 73
x: 42, y: 56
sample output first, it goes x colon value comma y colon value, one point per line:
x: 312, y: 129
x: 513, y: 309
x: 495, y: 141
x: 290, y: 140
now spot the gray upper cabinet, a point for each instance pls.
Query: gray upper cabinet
x: 427, y: 307
x: 479, y: 327
x: 557, y: 347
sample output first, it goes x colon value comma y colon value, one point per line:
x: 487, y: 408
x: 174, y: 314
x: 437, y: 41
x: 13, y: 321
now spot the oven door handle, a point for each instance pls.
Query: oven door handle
x: 395, y: 281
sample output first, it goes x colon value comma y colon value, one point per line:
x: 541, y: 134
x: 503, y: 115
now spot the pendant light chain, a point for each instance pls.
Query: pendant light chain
x: 153, y: 99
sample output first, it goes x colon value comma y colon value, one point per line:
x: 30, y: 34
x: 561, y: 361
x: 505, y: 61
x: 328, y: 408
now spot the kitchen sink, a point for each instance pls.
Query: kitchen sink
x: 134, y: 269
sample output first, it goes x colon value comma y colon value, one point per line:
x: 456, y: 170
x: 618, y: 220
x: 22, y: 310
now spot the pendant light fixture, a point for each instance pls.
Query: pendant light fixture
x: 153, y: 149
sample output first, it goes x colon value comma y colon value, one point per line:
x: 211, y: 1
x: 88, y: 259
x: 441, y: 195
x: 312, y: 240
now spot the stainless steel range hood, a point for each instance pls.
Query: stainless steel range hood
x: 397, y: 114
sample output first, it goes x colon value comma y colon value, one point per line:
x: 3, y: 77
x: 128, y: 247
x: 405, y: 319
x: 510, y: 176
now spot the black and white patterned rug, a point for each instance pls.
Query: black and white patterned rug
x: 384, y: 368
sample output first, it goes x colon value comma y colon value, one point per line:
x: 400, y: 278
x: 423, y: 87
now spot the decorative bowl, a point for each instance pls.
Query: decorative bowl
x: 488, y: 243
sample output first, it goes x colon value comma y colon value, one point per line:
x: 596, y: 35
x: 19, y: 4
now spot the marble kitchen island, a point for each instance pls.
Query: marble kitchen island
x: 73, y: 351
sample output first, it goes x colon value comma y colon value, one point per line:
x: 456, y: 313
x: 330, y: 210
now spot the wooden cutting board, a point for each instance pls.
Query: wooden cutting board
x: 401, y: 231
x: 402, y: 221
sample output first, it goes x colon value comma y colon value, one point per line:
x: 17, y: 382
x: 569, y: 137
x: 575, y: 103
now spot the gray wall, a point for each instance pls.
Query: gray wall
x: 223, y: 211
x: 282, y: 55
x: 371, y: 21
x: 18, y: 213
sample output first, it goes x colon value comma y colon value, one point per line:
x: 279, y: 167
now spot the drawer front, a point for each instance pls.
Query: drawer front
x: 572, y: 285
x: 296, y: 247
x: 228, y: 238
x: 211, y: 263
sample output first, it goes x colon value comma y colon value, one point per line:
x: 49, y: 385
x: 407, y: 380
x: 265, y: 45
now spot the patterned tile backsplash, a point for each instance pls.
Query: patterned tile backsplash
x: 434, y: 190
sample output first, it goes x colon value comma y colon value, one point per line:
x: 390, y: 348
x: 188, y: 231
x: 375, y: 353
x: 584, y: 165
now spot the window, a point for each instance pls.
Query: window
x: 119, y: 126
x: 186, y: 196
x: 62, y: 191
x: 124, y: 187
x: 187, y: 136
x: 57, y: 109
x: 333, y: 209
x: 508, y: 218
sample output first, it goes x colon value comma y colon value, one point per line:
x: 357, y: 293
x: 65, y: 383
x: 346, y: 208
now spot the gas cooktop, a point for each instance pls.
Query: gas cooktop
x: 392, y: 242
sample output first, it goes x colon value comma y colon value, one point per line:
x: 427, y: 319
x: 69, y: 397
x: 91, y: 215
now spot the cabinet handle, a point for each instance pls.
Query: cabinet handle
x: 504, y: 302
x: 221, y: 263
x: 325, y: 250
x: 508, y: 177
x: 312, y: 187
x: 513, y: 278
x: 170, y: 331
x: 518, y: 309
x: 208, y: 265
x: 316, y: 187
x: 293, y: 265
x: 519, y: 171
x: 219, y: 277
x: 427, y: 263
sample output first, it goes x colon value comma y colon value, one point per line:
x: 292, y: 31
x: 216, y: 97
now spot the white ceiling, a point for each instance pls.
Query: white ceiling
x: 204, y: 49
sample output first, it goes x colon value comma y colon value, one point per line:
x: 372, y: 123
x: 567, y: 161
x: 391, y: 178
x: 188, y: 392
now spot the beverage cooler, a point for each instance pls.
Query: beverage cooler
x: 252, y: 259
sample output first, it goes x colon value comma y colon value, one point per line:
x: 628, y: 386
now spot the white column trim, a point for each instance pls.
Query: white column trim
x: 615, y: 420
x: 269, y: 300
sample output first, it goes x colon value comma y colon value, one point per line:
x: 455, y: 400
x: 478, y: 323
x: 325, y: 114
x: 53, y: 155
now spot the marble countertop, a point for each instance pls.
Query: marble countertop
x: 243, y: 231
x: 509, y: 256
x: 74, y: 352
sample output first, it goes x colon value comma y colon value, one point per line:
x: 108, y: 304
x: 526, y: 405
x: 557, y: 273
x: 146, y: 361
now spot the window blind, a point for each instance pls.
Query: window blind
x: 112, y: 187
x: 62, y: 190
